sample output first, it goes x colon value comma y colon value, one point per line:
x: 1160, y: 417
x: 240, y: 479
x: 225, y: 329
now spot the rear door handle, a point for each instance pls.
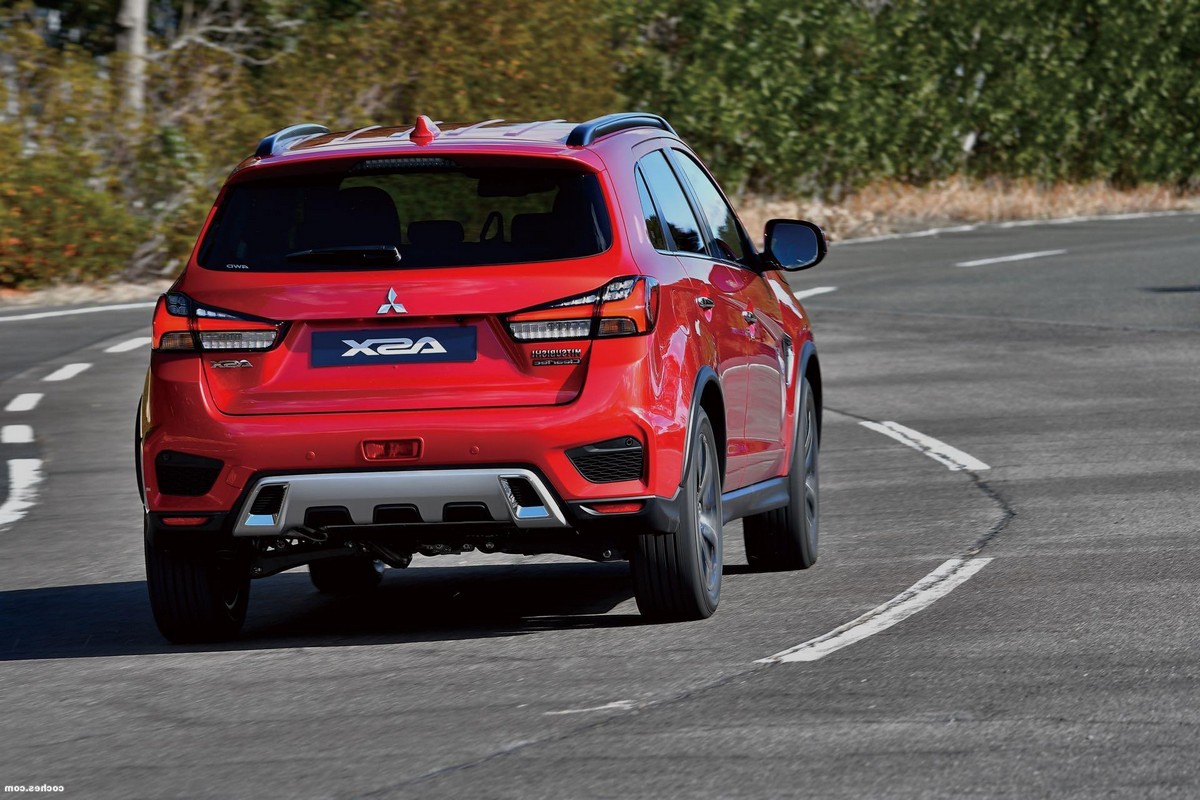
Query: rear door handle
x: 705, y: 302
x: 750, y: 317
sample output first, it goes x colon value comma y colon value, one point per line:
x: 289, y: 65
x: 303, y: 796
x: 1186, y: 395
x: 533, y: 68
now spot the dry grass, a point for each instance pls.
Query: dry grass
x: 896, y: 207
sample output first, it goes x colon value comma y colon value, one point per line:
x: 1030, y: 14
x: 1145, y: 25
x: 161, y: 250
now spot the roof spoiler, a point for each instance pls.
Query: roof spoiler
x: 273, y: 144
x: 585, y: 133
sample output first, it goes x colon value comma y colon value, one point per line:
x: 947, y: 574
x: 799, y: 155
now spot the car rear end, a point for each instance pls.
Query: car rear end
x: 398, y: 354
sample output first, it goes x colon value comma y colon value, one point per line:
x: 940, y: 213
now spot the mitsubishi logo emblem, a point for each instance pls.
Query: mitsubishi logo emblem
x: 391, y: 304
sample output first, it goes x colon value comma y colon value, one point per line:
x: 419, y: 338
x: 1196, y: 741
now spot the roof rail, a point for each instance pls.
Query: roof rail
x: 267, y: 147
x: 585, y: 133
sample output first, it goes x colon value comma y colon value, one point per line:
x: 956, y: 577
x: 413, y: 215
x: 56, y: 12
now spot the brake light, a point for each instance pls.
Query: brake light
x: 180, y: 324
x: 623, y: 307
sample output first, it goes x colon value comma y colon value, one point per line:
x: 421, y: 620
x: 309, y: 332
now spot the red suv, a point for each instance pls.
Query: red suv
x: 537, y: 337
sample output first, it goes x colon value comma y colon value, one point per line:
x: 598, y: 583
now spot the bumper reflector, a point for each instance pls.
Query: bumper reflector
x: 391, y: 449
x: 183, y: 522
x: 617, y: 508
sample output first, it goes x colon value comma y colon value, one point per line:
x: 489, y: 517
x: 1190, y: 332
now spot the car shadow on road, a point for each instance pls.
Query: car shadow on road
x: 415, y: 605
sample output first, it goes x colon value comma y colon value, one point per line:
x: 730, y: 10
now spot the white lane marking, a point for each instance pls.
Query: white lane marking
x: 65, y: 373
x: 952, y: 458
x: 1016, y: 223
x: 68, y: 312
x: 980, y: 262
x: 24, y: 402
x: 624, y: 705
x: 131, y: 344
x: 24, y: 474
x: 918, y: 597
x: 16, y: 434
x: 816, y: 290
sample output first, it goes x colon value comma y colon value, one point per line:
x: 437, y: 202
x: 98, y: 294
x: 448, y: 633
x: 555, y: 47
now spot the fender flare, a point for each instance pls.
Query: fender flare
x: 808, y: 352
x: 704, y: 377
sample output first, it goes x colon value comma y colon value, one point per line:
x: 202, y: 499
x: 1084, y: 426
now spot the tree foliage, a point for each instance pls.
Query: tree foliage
x: 823, y: 95
x: 779, y: 96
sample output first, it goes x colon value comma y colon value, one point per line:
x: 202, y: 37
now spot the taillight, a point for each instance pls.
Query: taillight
x: 180, y: 324
x: 622, y: 307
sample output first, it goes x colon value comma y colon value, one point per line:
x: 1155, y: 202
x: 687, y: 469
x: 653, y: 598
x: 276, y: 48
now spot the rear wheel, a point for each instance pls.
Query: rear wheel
x: 345, y: 574
x: 198, y: 591
x: 786, y: 538
x: 677, y: 576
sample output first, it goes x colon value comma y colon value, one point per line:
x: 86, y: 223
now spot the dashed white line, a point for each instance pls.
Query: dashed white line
x: 816, y: 290
x: 915, y: 598
x: 68, y: 312
x: 981, y: 262
x: 623, y: 705
x: 24, y: 474
x: 65, y: 373
x: 131, y: 344
x: 16, y: 434
x: 1017, y: 223
x: 952, y: 458
x: 24, y: 402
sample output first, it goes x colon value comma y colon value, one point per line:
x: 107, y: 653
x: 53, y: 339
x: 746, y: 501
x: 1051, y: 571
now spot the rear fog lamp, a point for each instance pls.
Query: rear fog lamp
x: 617, y: 508
x: 391, y: 449
x: 184, y: 522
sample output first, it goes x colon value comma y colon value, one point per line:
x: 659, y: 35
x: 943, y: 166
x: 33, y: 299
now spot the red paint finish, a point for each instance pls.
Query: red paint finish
x: 282, y: 412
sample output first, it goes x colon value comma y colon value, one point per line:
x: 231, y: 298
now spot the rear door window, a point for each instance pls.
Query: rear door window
x: 677, y: 213
x: 435, y: 213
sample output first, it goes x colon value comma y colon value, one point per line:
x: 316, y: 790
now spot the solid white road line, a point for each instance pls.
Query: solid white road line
x: 24, y: 474
x: 952, y: 458
x: 981, y: 262
x: 69, y: 312
x: 620, y: 704
x: 918, y: 597
x: 16, y: 434
x: 803, y: 293
x: 24, y: 402
x: 131, y: 344
x: 65, y: 373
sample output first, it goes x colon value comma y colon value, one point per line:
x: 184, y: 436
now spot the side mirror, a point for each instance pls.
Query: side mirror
x: 794, y: 244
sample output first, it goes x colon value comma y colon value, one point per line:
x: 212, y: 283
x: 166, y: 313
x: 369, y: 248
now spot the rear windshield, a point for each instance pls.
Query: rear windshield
x: 389, y: 214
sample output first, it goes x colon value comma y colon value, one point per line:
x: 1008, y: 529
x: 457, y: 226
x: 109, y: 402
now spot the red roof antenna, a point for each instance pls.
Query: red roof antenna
x: 425, y: 131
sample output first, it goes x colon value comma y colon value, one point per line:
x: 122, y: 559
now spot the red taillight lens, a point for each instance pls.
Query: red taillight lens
x: 623, y: 307
x: 182, y: 325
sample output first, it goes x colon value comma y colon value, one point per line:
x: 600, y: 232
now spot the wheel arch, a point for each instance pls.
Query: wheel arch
x: 706, y: 395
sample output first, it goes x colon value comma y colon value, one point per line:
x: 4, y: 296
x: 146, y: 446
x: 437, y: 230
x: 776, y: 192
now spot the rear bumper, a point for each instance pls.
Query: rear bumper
x: 180, y: 417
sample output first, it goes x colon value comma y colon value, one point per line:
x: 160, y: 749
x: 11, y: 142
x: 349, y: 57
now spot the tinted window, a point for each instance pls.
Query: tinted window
x: 653, y: 225
x: 434, y: 217
x: 681, y: 222
x: 723, y: 226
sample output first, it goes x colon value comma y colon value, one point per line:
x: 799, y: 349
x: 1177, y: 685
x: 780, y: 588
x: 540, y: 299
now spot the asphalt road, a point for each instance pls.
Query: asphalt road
x: 1068, y: 665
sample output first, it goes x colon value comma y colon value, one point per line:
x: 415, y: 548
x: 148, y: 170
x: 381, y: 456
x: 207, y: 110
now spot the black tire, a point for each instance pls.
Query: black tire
x: 677, y: 576
x: 198, y: 592
x: 345, y: 574
x: 786, y: 538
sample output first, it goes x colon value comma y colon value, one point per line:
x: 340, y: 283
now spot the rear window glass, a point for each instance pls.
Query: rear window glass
x: 434, y: 216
